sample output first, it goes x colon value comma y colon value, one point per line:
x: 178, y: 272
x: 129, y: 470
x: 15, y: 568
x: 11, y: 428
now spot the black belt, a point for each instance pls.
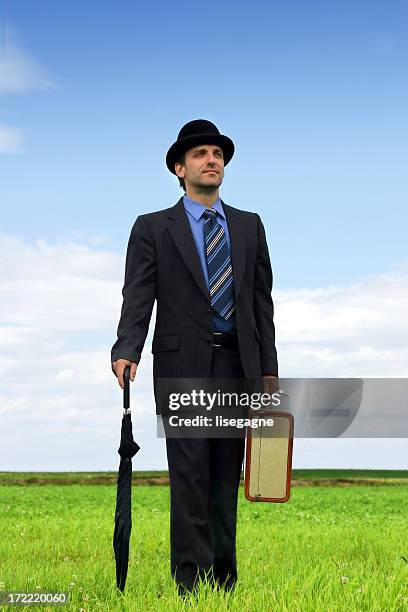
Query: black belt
x: 225, y: 340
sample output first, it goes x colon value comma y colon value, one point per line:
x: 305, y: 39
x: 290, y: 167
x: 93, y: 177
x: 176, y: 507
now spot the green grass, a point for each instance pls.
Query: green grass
x: 328, y: 549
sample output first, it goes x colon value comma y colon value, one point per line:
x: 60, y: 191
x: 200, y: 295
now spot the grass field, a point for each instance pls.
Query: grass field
x: 328, y: 549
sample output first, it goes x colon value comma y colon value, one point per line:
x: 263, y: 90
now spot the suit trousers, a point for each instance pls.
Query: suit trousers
x: 204, y: 476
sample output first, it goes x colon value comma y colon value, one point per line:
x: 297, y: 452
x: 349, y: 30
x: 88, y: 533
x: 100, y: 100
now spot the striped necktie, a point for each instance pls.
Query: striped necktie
x: 220, y: 279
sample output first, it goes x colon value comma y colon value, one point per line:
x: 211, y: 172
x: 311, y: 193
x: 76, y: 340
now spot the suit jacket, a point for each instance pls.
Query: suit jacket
x: 162, y: 264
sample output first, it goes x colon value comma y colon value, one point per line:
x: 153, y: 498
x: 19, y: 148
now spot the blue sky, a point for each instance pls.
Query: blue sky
x: 314, y: 95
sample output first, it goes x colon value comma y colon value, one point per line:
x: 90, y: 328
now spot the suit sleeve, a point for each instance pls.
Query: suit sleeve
x: 139, y: 292
x: 263, y: 305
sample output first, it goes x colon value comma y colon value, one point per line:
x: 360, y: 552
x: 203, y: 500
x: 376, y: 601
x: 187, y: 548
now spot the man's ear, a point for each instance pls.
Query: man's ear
x: 179, y: 167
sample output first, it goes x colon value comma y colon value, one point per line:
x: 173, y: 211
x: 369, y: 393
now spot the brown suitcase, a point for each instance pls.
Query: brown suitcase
x: 268, y: 459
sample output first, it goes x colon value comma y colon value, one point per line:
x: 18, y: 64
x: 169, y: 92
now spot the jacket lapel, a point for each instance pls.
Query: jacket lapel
x: 180, y: 230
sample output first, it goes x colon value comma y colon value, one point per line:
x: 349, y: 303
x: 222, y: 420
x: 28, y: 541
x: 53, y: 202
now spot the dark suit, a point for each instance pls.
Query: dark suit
x: 162, y: 264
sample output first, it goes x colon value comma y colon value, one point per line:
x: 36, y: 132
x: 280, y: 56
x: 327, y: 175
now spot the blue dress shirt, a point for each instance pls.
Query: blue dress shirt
x: 195, y: 212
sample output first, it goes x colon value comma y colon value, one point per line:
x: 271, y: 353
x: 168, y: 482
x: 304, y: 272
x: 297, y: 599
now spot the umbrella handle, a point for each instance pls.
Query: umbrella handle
x: 126, y: 392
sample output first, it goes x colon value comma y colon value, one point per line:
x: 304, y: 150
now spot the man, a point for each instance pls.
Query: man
x: 207, y: 265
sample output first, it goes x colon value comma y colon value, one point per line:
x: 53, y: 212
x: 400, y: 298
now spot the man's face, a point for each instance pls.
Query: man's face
x: 203, y: 167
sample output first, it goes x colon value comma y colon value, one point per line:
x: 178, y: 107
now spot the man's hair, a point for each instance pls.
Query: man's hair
x: 181, y: 160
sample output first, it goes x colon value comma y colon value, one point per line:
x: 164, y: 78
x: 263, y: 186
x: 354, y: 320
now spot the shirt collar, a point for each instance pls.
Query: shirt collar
x: 196, y: 209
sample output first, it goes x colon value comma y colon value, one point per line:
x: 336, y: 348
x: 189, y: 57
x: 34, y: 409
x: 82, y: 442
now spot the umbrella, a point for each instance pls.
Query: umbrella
x: 123, y: 515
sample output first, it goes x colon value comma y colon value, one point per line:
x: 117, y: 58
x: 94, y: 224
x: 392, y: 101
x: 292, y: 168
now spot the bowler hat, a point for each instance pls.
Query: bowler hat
x: 199, y: 131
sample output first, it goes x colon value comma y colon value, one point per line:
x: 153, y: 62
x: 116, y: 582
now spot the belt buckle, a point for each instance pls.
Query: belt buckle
x: 216, y: 334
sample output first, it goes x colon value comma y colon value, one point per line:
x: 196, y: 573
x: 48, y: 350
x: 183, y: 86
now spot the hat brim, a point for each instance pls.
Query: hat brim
x: 179, y: 147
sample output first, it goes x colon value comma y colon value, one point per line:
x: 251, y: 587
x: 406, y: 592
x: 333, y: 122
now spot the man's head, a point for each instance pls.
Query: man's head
x: 199, y: 148
x: 201, y: 168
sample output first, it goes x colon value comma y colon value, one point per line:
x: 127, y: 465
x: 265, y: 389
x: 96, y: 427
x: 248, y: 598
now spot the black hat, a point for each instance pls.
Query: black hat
x: 198, y: 132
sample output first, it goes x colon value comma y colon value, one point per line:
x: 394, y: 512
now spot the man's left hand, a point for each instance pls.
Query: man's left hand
x: 270, y: 383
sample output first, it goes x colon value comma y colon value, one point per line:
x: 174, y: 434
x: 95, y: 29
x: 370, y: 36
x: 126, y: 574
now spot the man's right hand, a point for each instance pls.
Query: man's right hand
x: 118, y: 368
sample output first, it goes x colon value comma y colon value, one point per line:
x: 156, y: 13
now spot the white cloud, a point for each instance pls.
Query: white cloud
x: 60, y: 308
x: 11, y: 139
x: 59, y: 401
x: 19, y: 74
x: 19, y: 71
x: 359, y: 330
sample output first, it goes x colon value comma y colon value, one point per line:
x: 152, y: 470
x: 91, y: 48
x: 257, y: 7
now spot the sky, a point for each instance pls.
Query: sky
x: 92, y: 95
